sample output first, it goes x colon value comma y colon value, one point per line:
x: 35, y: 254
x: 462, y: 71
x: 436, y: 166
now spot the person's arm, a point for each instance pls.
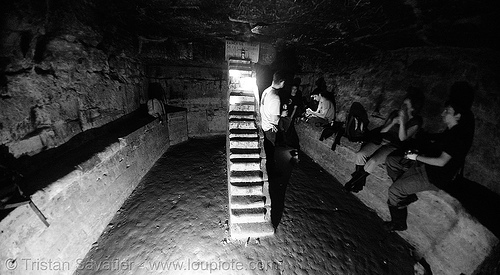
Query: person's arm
x: 440, y: 161
x: 388, y: 125
x: 404, y: 133
x: 318, y: 110
x: 294, y: 110
x: 318, y: 114
x: 275, y: 115
x: 321, y: 112
x: 390, y: 121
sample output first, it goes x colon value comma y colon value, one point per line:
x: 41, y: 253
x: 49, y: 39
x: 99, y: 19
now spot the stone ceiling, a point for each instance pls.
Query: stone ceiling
x: 172, y: 28
x: 323, y: 25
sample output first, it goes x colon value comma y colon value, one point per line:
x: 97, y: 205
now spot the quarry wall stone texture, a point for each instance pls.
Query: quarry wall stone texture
x: 440, y: 229
x: 379, y: 83
x: 201, y: 90
x: 59, y: 77
x: 78, y: 206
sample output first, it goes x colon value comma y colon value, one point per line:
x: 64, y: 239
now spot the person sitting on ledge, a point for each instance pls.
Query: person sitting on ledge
x: 325, y: 113
x: 434, y: 169
x: 395, y: 162
x: 156, y: 108
x: 399, y: 127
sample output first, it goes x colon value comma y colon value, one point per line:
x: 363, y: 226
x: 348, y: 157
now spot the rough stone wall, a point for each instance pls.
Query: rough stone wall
x: 379, y: 83
x: 440, y: 228
x: 202, y: 90
x: 78, y: 206
x: 59, y: 76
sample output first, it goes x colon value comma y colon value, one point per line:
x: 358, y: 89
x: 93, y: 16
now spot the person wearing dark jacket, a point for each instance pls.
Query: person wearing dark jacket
x: 434, y: 169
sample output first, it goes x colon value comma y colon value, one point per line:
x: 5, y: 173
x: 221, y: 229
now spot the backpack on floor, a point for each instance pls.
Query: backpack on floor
x: 356, y: 124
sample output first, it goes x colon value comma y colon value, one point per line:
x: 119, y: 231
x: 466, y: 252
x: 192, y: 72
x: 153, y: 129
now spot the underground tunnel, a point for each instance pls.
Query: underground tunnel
x: 94, y: 182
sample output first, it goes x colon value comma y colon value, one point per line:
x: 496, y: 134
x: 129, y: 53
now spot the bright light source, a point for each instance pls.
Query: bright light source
x: 248, y: 83
x: 245, y: 81
x: 235, y: 73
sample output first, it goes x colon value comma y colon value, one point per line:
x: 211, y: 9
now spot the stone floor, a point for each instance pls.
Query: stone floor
x: 175, y: 222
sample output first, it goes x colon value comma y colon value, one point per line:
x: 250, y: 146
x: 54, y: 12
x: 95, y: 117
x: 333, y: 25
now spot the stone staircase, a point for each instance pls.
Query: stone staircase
x: 249, y: 201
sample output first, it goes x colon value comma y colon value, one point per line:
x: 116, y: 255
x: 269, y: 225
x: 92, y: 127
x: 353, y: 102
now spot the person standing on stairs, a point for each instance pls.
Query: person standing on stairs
x: 270, y: 106
x: 399, y: 127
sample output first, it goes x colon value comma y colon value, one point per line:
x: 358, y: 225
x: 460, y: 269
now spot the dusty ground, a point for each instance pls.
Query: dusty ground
x: 175, y: 222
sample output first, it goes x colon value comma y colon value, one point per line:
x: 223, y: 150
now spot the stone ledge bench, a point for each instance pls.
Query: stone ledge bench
x: 79, y: 205
x: 439, y: 228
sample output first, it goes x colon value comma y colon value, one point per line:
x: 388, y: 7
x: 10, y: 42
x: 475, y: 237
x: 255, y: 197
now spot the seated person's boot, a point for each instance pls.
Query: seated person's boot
x: 354, y: 176
x: 360, y: 182
x: 408, y: 200
x: 398, y: 219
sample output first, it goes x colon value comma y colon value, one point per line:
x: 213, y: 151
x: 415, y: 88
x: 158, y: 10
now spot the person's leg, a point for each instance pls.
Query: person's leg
x: 378, y: 157
x: 396, y: 164
x: 269, y: 147
x: 412, y: 181
x: 358, y: 180
x: 365, y: 152
x: 292, y: 137
x: 364, y: 171
x: 317, y: 121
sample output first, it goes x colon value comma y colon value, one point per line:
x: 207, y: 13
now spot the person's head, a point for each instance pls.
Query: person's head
x: 278, y: 80
x: 414, y: 101
x: 454, y: 112
x: 294, y: 90
x: 316, y: 95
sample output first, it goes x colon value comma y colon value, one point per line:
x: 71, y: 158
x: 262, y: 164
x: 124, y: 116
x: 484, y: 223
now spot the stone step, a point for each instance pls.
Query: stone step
x: 245, y: 156
x: 241, y: 92
x: 244, y: 135
x: 250, y: 230
x: 235, y: 159
x: 241, y: 113
x: 242, y: 116
x: 246, y: 190
x: 252, y: 165
x: 244, y: 124
x: 247, y: 153
x: 235, y: 99
x: 245, y: 176
x: 240, y: 202
x: 242, y: 119
x: 242, y: 107
x: 247, y: 215
x: 243, y: 131
x: 244, y: 151
x: 235, y: 115
x: 241, y: 143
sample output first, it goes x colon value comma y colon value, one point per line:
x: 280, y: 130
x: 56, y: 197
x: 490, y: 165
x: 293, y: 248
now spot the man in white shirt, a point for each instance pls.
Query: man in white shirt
x: 325, y: 113
x: 270, y: 108
x: 270, y: 114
